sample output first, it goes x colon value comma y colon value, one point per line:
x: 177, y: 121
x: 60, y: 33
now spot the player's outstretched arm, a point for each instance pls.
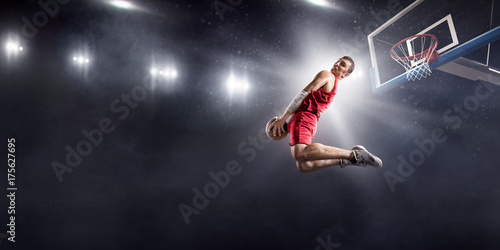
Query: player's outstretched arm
x: 321, y: 79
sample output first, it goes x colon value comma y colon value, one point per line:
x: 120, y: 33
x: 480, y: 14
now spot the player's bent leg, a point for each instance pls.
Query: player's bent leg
x: 310, y: 166
x: 317, y: 151
x: 318, y: 156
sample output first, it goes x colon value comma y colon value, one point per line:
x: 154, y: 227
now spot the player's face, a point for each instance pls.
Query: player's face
x: 341, y: 68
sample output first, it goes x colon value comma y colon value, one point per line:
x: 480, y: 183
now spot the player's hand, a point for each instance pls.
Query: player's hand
x: 278, y: 126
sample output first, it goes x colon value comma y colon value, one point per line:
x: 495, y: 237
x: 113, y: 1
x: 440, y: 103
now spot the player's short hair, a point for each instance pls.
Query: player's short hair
x: 351, y: 69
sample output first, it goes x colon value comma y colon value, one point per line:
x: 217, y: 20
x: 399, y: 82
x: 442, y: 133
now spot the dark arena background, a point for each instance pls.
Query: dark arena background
x: 140, y: 125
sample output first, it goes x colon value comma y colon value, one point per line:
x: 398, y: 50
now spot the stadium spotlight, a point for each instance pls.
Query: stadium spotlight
x: 235, y: 85
x: 126, y: 5
x: 173, y: 73
x: 81, y: 60
x: 13, y: 47
x: 122, y: 4
x: 321, y: 3
x: 167, y: 73
x: 325, y: 4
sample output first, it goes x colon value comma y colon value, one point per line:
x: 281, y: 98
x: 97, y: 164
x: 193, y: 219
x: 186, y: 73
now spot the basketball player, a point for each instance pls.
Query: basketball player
x: 305, y: 110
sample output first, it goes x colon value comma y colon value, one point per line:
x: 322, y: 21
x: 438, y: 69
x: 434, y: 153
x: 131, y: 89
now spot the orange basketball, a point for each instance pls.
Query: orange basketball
x: 269, y: 129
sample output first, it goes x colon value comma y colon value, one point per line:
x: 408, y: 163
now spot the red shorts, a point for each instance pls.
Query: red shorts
x: 302, y: 127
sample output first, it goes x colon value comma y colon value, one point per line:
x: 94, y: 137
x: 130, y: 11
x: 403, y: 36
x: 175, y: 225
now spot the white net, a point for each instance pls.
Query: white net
x: 414, y: 54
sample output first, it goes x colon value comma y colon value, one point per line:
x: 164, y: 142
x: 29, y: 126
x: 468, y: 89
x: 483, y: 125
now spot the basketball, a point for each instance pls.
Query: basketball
x: 269, y: 129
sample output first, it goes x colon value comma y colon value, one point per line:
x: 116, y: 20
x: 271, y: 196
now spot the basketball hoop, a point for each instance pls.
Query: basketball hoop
x: 415, y: 53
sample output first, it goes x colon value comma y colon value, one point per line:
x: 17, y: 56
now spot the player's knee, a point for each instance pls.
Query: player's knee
x: 300, y: 167
x: 296, y: 154
x: 303, y: 167
x: 304, y: 154
x: 300, y: 160
x: 300, y: 156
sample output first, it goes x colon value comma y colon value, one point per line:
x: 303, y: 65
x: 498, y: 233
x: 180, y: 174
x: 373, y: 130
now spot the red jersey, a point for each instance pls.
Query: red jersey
x: 318, y: 101
x: 303, y: 123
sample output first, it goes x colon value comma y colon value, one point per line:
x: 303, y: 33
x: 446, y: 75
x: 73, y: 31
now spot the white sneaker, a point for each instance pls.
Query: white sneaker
x: 365, y: 158
x: 344, y: 163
